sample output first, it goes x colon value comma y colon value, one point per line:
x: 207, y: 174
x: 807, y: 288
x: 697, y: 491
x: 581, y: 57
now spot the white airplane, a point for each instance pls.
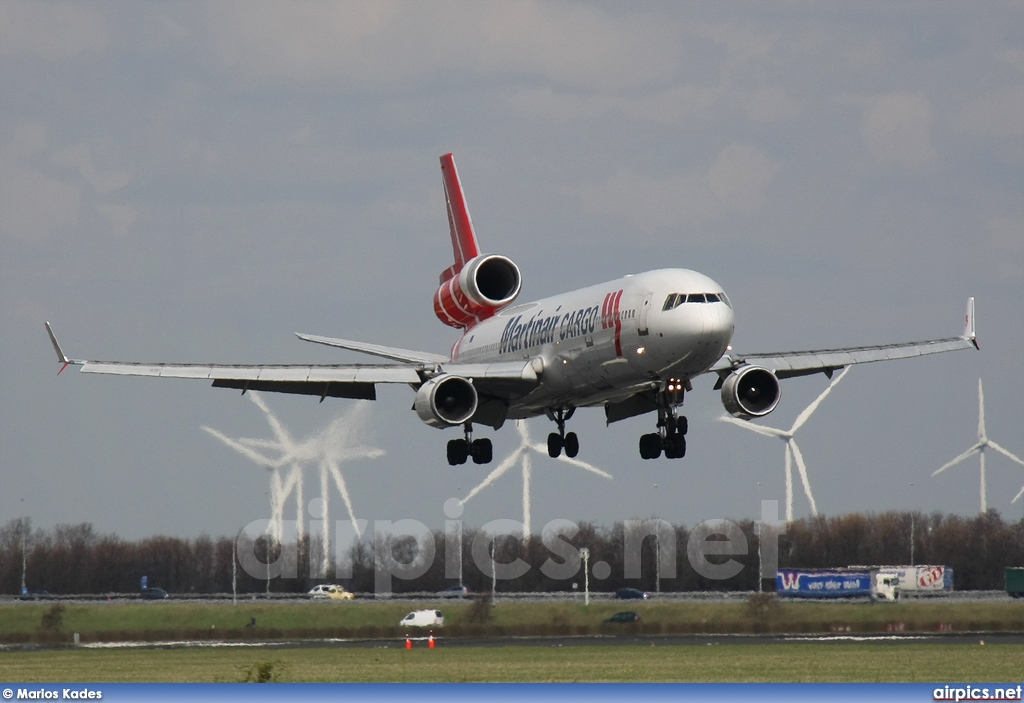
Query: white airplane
x: 631, y: 345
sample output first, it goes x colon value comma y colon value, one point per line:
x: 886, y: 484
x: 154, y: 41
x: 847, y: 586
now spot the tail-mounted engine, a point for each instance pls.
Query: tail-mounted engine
x: 483, y: 286
x: 750, y: 391
x: 446, y: 400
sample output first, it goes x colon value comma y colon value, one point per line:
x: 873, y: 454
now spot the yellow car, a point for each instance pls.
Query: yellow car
x: 331, y: 592
x: 339, y: 593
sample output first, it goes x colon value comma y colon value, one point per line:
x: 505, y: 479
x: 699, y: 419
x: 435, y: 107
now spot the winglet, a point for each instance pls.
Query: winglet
x: 969, y: 332
x: 60, y: 354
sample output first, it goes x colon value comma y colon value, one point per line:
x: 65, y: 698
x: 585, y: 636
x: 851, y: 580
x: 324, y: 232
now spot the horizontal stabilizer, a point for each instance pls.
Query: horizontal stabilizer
x: 394, y: 353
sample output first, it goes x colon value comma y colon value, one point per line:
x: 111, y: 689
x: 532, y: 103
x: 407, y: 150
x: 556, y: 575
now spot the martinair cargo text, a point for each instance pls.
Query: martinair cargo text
x: 631, y: 346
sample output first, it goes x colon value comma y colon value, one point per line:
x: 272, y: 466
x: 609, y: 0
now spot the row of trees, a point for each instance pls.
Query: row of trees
x: 715, y: 556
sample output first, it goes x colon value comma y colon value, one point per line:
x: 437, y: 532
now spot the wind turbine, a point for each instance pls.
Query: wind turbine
x: 983, y: 443
x: 792, y: 450
x: 279, y: 490
x: 522, y: 454
x: 335, y: 444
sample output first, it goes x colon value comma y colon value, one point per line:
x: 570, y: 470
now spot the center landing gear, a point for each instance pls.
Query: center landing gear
x: 557, y: 441
x: 671, y: 434
x: 459, y: 450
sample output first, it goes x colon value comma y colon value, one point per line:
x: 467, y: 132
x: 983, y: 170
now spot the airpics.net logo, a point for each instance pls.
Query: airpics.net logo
x: 978, y: 693
x: 718, y: 539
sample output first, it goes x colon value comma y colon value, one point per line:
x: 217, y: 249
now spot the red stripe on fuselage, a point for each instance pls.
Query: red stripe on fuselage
x: 618, y: 323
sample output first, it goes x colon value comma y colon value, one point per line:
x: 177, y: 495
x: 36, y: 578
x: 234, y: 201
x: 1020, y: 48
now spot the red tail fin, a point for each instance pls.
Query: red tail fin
x: 464, y: 244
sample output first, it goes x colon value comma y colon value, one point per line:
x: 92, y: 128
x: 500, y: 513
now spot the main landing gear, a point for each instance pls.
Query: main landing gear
x: 459, y: 450
x: 671, y: 435
x: 557, y: 441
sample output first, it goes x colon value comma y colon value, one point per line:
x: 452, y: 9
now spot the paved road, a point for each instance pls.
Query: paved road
x: 420, y: 641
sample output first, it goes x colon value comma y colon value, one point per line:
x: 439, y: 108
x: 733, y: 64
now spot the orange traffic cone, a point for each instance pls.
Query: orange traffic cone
x: 408, y: 642
x: 430, y: 642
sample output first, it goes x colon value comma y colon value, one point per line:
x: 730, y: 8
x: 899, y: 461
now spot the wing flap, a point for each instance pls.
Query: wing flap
x: 283, y: 373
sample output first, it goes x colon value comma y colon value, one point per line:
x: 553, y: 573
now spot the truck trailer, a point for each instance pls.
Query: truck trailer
x: 922, y: 580
x: 1015, y: 581
x: 837, y: 583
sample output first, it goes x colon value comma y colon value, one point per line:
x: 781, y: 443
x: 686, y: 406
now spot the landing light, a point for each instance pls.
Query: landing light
x: 640, y: 350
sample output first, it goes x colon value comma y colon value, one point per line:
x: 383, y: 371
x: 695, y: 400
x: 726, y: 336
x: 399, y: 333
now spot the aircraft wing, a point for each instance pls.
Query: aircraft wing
x: 498, y: 380
x: 802, y: 363
x: 324, y: 380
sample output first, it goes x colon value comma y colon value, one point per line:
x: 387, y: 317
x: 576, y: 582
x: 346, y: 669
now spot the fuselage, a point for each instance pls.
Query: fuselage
x: 610, y: 340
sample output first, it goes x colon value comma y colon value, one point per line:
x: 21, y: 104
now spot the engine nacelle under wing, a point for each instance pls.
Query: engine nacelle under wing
x: 446, y: 400
x: 485, y: 284
x: 750, y: 391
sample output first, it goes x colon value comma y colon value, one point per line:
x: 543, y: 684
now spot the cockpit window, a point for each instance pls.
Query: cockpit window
x: 674, y: 300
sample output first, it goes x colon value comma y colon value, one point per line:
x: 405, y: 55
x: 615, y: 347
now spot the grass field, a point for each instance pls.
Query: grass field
x: 28, y: 622
x: 693, y: 663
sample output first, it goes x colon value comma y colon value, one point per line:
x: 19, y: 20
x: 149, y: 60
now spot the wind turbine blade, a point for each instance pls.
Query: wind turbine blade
x: 523, y: 430
x: 584, y: 465
x: 1017, y: 497
x: 1005, y: 453
x: 339, y: 481
x: 981, y: 413
x: 245, y: 451
x: 802, y: 468
x: 290, y: 481
x: 275, y: 424
x: 803, y: 416
x: 969, y: 452
x: 501, y: 468
x: 789, y: 484
x: 760, y: 429
x: 527, y: 471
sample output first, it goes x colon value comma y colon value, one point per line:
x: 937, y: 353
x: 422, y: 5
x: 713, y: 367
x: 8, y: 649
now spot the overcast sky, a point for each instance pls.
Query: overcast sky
x: 198, y: 181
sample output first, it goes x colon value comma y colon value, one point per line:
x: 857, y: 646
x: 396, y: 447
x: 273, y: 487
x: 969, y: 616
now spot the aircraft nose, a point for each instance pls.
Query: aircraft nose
x: 719, y: 324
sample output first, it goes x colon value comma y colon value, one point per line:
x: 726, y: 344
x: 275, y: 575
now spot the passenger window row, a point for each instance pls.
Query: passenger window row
x: 676, y: 299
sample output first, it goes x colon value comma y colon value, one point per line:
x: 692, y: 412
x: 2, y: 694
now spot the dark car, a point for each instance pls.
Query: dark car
x: 630, y: 594
x: 35, y: 594
x: 153, y: 594
x: 625, y: 616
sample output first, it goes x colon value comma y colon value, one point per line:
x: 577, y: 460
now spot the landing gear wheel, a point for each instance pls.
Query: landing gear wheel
x: 481, y: 450
x: 572, y: 445
x: 675, y: 446
x: 650, y: 446
x: 458, y: 451
x: 555, y: 444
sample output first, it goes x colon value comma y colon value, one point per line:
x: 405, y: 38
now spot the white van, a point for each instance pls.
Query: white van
x: 423, y: 618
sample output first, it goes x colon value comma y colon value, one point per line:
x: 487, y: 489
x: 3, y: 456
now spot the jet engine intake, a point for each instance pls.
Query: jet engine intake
x: 446, y: 400
x: 751, y: 391
x: 485, y: 284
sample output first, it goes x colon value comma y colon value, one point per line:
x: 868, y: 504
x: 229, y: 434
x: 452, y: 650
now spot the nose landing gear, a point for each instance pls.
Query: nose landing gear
x: 557, y: 441
x: 459, y: 450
